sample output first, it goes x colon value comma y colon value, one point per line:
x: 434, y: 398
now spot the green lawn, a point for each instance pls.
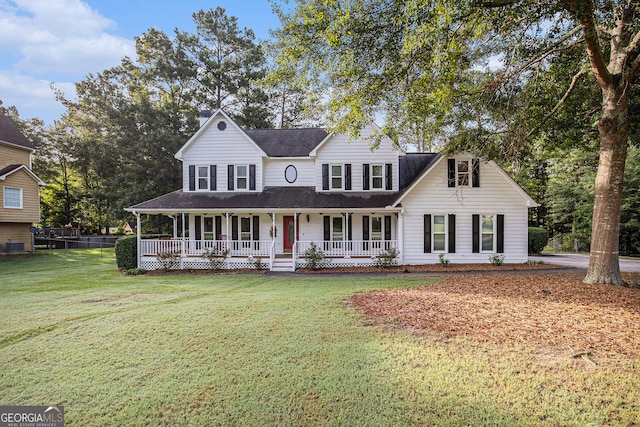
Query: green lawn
x: 245, y: 350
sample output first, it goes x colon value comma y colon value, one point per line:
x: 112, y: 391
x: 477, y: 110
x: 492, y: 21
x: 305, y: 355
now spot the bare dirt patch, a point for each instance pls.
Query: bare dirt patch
x: 538, y: 311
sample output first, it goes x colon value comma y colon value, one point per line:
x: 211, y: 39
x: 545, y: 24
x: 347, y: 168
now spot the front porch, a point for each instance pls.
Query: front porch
x: 248, y: 254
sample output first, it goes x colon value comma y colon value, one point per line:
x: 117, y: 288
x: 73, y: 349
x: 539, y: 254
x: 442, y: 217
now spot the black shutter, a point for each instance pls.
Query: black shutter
x: 234, y: 227
x: 218, y: 227
x: 325, y: 176
x: 500, y: 236
x: 365, y: 227
x: 230, y: 184
x: 475, y: 173
x: 213, y: 178
x: 387, y: 227
x: 475, y: 231
x: 256, y: 227
x: 198, y: 220
x: 452, y: 234
x: 252, y: 177
x: 365, y: 176
x: 349, y: 227
x: 427, y: 234
x: 388, y: 176
x: 326, y: 220
x: 192, y: 178
x: 347, y: 176
x: 451, y: 166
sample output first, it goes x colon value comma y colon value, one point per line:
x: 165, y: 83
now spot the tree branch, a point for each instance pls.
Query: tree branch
x: 583, y: 11
x: 574, y: 81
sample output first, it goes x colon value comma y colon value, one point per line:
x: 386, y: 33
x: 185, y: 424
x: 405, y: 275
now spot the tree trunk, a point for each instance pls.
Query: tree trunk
x: 613, y: 127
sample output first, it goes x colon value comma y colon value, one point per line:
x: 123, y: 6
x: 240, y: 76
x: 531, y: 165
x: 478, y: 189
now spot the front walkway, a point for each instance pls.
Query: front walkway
x: 582, y: 261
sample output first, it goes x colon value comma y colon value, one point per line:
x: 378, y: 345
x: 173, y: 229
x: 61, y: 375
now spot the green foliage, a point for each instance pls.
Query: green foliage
x: 135, y: 271
x: 442, y: 260
x: 496, y: 260
x: 257, y: 263
x: 538, y: 239
x: 314, y: 257
x: 168, y: 260
x: 216, y: 258
x: 126, y: 252
x: 386, y: 258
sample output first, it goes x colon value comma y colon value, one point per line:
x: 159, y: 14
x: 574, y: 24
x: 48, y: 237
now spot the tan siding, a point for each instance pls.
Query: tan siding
x: 15, y: 232
x: 13, y: 156
x: 30, y: 211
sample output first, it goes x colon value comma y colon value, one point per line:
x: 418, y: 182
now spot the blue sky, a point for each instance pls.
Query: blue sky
x: 61, y: 41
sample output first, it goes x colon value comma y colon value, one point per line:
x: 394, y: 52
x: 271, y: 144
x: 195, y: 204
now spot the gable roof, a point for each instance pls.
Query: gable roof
x: 287, y: 142
x: 412, y: 165
x: 219, y: 112
x: 9, y: 133
x: 11, y: 169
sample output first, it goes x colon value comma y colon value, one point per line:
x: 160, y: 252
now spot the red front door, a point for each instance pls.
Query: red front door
x: 288, y: 225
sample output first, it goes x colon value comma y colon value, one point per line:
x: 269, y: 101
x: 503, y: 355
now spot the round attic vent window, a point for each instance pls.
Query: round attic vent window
x: 222, y: 125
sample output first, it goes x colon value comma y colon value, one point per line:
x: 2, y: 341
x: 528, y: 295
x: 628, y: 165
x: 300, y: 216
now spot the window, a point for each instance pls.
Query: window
x: 376, y: 228
x: 377, y: 176
x: 203, y: 177
x: 241, y: 177
x: 487, y: 233
x: 463, y: 172
x: 336, y: 176
x: 336, y: 230
x: 245, y: 231
x: 439, y: 233
x: 13, y: 198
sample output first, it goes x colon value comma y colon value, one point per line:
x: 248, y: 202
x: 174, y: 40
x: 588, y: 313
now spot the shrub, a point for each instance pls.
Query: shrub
x: 538, y: 238
x: 126, y: 252
x: 315, y: 258
x: 442, y: 260
x: 257, y: 263
x: 386, y: 258
x: 135, y: 271
x: 216, y: 258
x: 497, y: 259
x: 168, y: 260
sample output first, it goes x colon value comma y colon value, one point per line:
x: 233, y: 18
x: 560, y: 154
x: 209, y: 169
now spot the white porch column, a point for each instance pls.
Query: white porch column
x: 401, y: 236
x: 138, y: 241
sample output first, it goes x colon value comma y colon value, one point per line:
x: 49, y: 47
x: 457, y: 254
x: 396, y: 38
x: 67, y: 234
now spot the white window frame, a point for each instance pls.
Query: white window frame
x: 374, y: 177
x: 462, y: 175
x: 205, y: 178
x: 493, y: 233
x: 20, y: 197
x: 245, y: 177
x: 245, y: 236
x: 444, y: 233
x: 332, y: 176
x: 337, y: 238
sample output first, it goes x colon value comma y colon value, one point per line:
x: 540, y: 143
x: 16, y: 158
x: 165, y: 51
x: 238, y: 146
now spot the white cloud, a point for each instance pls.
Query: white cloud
x: 64, y: 36
x: 33, y: 97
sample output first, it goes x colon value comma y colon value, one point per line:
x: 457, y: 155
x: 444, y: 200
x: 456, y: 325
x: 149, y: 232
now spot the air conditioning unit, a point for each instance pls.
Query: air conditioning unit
x: 14, y: 247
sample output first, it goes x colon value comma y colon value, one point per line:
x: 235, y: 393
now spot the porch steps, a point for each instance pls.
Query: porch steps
x: 282, y: 264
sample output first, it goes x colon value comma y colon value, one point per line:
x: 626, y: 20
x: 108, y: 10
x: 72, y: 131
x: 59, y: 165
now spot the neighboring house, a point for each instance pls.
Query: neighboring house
x: 20, y: 188
x: 271, y: 193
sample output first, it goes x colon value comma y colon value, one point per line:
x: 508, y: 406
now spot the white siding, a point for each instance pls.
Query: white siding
x: 274, y: 172
x: 496, y: 195
x: 222, y: 148
x: 339, y: 150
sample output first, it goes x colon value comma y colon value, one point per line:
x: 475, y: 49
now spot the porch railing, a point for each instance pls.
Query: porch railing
x: 185, y: 247
x: 350, y: 248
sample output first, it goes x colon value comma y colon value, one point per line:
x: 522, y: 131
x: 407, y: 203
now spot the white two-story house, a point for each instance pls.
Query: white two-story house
x: 269, y: 194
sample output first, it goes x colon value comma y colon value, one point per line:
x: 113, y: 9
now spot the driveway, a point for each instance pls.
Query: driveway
x: 582, y: 261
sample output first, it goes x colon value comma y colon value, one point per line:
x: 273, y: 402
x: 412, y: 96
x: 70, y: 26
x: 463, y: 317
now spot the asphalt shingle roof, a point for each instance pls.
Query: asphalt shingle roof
x: 10, y: 133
